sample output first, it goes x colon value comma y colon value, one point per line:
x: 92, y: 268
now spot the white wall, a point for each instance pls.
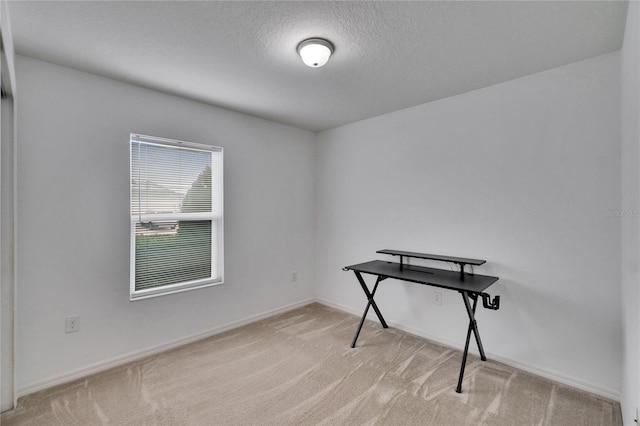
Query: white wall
x: 73, y: 220
x: 520, y: 174
x: 630, y: 60
x: 7, y: 141
x: 6, y: 255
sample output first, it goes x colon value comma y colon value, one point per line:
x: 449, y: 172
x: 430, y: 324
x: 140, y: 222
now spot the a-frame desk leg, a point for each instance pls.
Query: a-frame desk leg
x: 472, y: 327
x: 370, y: 302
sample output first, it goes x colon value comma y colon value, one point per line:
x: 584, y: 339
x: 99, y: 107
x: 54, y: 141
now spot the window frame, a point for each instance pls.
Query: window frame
x: 216, y: 216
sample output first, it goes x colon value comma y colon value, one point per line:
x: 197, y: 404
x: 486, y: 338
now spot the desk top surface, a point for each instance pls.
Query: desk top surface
x: 429, y: 276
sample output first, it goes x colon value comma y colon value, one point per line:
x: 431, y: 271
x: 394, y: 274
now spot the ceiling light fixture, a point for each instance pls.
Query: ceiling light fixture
x: 315, y: 52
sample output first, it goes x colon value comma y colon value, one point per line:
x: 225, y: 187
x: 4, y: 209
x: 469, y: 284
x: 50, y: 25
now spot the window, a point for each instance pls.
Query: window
x: 176, y: 216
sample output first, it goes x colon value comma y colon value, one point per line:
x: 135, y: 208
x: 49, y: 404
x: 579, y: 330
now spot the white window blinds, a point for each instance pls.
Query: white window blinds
x: 176, y: 216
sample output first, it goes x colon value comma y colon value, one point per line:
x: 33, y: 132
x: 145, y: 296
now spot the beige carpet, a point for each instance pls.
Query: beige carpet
x: 298, y: 369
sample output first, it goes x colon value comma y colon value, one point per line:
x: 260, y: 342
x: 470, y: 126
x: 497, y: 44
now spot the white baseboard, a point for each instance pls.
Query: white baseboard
x: 136, y: 355
x: 533, y: 369
x: 7, y: 407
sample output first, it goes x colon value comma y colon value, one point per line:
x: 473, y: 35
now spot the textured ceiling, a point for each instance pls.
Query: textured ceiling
x: 388, y: 55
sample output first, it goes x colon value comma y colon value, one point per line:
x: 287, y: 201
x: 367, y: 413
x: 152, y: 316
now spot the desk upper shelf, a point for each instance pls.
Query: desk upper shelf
x: 458, y: 260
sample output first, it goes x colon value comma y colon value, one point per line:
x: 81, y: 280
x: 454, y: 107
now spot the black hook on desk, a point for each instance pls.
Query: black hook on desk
x: 487, y: 303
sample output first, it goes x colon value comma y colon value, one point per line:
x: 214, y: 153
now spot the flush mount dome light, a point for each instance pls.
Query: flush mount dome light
x: 315, y: 52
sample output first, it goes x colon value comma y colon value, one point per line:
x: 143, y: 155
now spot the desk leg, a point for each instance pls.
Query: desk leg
x: 370, y: 302
x: 472, y: 327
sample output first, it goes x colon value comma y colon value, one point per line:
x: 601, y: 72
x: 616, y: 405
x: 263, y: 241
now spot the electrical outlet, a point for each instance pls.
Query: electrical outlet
x: 294, y: 277
x: 437, y: 298
x: 72, y: 324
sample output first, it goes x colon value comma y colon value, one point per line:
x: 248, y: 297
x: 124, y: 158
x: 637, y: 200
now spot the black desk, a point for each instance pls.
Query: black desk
x: 470, y: 286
